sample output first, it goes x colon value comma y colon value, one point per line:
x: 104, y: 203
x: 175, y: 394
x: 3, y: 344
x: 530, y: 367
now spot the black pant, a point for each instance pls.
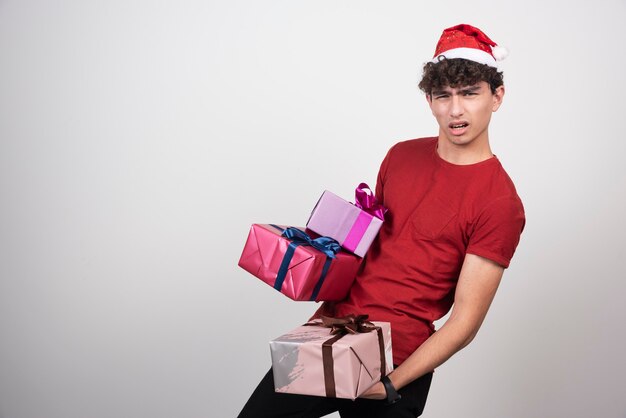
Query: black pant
x: 266, y: 403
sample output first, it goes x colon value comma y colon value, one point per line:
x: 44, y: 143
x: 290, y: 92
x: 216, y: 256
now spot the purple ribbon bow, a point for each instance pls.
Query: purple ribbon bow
x: 365, y: 200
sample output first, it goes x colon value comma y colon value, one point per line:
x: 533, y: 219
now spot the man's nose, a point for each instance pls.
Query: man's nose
x: 456, y: 106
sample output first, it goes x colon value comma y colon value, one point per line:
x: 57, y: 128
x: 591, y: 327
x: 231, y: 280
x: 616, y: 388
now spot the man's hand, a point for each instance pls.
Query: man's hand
x: 375, y: 392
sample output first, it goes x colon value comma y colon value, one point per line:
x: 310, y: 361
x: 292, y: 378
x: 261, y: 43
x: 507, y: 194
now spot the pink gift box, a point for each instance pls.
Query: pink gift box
x: 354, y: 228
x: 308, y: 275
x: 298, y: 361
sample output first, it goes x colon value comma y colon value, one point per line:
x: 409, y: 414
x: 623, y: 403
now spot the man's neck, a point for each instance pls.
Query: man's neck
x: 466, y: 154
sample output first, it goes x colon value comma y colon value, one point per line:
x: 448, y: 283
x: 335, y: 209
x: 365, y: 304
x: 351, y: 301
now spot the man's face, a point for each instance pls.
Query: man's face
x: 463, y: 113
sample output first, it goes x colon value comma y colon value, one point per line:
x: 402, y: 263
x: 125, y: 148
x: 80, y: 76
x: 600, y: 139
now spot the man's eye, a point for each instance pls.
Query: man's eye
x: 441, y: 96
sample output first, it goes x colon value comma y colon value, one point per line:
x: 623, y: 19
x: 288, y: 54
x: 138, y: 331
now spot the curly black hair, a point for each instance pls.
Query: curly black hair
x: 458, y: 72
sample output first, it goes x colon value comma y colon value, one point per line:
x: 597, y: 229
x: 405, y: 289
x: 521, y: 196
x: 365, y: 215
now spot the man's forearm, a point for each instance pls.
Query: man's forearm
x: 443, y: 344
x: 439, y: 347
x: 478, y: 282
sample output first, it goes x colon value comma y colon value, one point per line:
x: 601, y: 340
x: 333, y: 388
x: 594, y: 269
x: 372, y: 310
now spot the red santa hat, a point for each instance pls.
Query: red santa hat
x: 470, y: 43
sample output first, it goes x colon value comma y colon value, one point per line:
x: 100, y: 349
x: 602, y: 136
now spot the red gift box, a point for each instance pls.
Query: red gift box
x: 298, y: 265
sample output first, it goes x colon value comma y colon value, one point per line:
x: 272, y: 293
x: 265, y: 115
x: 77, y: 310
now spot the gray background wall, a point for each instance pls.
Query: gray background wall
x: 140, y: 139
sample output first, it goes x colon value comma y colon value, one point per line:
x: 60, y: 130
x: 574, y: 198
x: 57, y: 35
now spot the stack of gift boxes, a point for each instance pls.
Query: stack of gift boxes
x: 333, y: 357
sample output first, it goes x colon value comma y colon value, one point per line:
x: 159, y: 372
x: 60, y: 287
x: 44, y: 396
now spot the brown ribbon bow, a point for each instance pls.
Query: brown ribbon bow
x: 350, y: 324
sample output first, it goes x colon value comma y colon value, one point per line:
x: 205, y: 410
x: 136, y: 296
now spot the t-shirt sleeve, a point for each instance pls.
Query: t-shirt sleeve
x: 497, y: 230
x: 382, y: 175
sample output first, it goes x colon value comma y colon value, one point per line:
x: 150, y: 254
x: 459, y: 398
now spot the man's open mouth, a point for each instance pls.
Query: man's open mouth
x: 458, y: 125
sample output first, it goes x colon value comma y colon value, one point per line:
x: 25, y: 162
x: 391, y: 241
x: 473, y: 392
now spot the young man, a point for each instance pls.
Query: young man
x: 454, y: 220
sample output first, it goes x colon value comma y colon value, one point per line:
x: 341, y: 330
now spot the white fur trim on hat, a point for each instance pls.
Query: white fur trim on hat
x: 499, y: 52
x: 472, y: 54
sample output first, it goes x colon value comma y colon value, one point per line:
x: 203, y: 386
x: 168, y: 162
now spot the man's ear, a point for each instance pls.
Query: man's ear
x: 498, y: 96
x: 429, y: 99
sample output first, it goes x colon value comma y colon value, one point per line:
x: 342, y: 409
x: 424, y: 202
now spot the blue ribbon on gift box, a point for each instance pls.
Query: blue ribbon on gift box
x: 327, y: 245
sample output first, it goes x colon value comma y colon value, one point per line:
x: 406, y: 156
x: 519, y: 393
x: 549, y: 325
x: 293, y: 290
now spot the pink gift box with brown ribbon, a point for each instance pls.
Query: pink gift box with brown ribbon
x: 310, y: 360
x: 354, y: 226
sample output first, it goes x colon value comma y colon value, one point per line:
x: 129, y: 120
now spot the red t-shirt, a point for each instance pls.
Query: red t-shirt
x: 438, y: 212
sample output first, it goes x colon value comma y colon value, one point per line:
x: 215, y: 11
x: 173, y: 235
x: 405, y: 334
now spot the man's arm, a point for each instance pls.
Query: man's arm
x: 477, y: 285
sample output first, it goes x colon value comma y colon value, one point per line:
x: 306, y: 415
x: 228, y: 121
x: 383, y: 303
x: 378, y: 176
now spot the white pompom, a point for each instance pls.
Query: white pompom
x: 499, y: 52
